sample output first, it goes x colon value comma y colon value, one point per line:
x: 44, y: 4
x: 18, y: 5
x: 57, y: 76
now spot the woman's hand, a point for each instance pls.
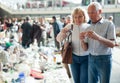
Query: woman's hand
x: 82, y: 36
x: 83, y: 44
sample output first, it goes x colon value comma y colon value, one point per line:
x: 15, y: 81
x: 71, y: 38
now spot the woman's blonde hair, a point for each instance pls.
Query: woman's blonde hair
x: 78, y: 10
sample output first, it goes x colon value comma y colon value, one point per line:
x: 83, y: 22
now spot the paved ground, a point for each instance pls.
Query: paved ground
x: 115, y: 77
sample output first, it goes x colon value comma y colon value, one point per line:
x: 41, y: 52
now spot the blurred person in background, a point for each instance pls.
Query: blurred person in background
x: 36, y: 32
x: 26, y: 29
x: 63, y: 22
x: 68, y: 19
x: 56, y: 30
x: 9, y: 24
x: 110, y: 18
x: 60, y: 23
x: 1, y: 27
x: 44, y: 32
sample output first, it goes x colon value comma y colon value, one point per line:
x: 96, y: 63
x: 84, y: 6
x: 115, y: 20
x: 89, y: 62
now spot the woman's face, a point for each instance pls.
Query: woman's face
x: 78, y: 18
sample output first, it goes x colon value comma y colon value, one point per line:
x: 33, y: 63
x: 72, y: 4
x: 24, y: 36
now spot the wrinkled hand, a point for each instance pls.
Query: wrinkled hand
x: 93, y: 35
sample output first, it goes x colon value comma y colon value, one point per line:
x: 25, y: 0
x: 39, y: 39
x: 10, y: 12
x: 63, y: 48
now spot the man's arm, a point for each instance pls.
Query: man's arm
x: 95, y: 36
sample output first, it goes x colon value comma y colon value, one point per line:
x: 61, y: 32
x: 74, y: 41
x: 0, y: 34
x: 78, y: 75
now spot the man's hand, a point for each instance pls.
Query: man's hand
x: 93, y: 35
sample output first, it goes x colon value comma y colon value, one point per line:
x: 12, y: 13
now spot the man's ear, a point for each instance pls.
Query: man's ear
x: 100, y: 11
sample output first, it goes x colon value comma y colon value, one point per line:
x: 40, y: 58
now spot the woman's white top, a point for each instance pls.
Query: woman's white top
x: 77, y: 29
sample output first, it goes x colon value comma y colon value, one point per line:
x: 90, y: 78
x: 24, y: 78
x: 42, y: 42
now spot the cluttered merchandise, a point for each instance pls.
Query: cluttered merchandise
x: 30, y: 65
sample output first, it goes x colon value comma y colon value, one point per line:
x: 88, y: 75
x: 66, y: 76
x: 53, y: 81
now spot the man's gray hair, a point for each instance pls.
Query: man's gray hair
x: 97, y: 5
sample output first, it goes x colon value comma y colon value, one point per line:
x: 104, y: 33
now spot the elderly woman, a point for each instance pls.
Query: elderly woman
x: 79, y: 66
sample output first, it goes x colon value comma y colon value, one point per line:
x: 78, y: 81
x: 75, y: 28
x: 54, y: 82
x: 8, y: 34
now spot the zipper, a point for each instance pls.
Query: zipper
x: 79, y: 41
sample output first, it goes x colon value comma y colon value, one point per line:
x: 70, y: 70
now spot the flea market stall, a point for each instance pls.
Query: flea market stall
x: 32, y: 65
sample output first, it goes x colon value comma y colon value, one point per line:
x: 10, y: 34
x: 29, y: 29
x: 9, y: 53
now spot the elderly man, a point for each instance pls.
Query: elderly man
x: 100, y: 39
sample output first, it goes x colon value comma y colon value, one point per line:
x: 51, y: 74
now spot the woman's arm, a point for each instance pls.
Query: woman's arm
x: 62, y: 35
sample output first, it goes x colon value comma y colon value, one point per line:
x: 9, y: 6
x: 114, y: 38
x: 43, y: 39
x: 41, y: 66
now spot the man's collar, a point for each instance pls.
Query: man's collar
x: 101, y: 20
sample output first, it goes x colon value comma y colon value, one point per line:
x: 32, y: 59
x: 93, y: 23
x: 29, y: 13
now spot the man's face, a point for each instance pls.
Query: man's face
x: 93, y: 14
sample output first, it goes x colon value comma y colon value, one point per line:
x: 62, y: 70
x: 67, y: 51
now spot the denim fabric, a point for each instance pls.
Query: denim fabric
x: 99, y: 68
x: 79, y: 69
